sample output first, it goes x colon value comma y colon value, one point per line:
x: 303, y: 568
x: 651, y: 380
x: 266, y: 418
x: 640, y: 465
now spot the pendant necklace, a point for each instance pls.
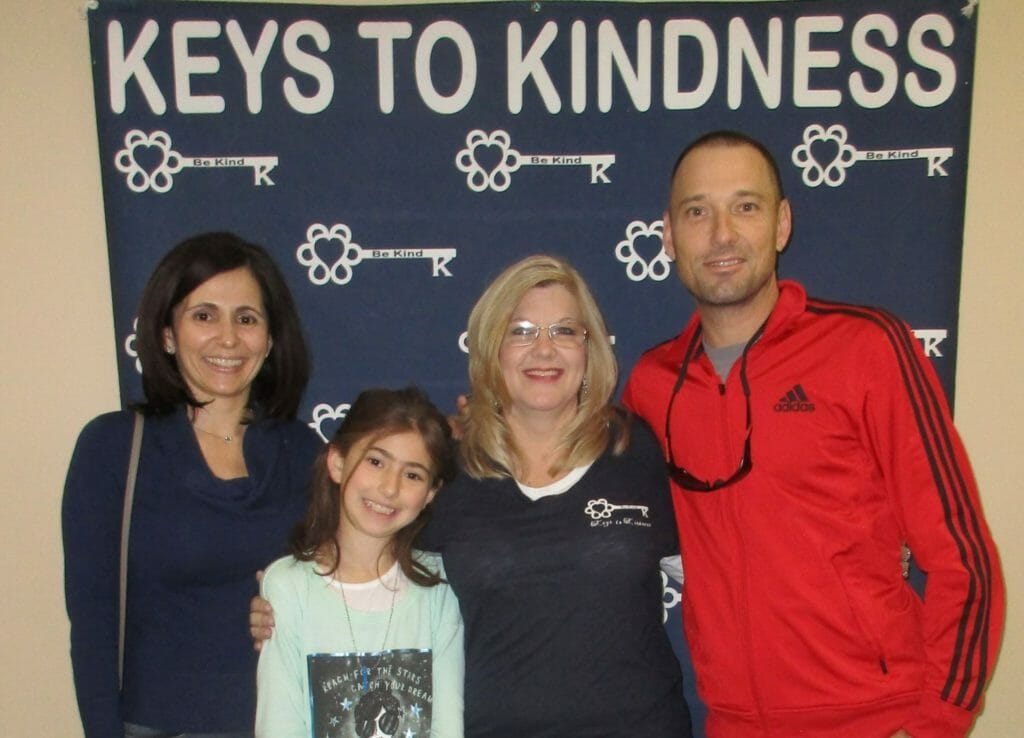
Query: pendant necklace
x: 226, y: 439
x: 364, y: 670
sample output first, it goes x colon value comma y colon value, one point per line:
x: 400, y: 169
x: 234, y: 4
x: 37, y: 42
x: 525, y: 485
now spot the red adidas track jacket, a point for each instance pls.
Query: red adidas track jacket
x: 795, y: 611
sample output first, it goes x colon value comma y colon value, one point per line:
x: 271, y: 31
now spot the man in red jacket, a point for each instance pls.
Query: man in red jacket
x: 807, y: 440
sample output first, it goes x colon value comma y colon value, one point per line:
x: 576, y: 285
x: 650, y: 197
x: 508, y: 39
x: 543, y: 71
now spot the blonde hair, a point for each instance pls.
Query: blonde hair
x: 488, y: 448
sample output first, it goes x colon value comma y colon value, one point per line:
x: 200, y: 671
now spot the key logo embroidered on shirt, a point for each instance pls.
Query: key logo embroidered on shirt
x: 794, y: 401
x: 601, y: 514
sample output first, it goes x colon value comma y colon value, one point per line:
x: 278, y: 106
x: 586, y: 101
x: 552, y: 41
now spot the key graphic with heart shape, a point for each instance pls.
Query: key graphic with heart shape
x: 327, y: 418
x: 149, y: 162
x: 644, y: 238
x: 824, y: 156
x: 488, y: 160
x: 330, y: 255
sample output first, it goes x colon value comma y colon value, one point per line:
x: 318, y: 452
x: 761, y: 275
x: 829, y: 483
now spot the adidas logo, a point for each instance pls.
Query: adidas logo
x: 794, y: 401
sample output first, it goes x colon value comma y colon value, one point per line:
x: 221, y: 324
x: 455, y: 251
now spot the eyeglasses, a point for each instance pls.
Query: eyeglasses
x: 680, y: 475
x: 568, y: 333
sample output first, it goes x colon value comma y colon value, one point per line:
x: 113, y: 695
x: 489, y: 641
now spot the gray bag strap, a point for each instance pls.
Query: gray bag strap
x: 126, y: 521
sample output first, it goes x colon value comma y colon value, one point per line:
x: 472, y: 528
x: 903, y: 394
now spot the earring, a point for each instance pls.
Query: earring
x: 584, y: 387
x: 169, y: 348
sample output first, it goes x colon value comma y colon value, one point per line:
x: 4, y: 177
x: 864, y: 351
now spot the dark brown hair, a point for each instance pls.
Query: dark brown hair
x: 282, y: 379
x: 726, y: 137
x: 376, y: 413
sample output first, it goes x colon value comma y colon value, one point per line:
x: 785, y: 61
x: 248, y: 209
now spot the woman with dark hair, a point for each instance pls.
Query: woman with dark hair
x: 369, y: 639
x: 222, y: 473
x: 282, y: 377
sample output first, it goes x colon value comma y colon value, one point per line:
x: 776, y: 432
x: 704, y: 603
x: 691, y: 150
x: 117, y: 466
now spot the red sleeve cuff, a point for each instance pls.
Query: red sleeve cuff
x: 936, y: 718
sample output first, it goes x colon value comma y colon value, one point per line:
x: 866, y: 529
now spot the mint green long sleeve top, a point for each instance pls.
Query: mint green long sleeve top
x: 310, y: 618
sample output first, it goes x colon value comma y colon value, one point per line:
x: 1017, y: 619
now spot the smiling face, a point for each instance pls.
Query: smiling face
x: 220, y: 337
x: 390, y: 483
x: 543, y: 378
x: 725, y: 226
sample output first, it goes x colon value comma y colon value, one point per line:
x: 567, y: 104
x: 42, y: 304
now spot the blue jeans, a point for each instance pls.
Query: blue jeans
x: 141, y: 731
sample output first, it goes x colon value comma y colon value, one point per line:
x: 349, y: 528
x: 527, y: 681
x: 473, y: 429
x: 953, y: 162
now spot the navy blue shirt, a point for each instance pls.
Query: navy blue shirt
x: 196, y: 543
x: 562, y: 601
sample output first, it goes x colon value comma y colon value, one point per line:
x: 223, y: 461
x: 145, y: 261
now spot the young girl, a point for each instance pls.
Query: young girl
x: 368, y: 639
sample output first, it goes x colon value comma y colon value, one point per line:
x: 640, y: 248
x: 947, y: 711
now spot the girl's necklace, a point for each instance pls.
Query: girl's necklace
x: 364, y: 670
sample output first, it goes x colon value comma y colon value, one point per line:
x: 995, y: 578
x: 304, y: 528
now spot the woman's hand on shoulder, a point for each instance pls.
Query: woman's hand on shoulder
x: 457, y: 422
x: 261, y: 619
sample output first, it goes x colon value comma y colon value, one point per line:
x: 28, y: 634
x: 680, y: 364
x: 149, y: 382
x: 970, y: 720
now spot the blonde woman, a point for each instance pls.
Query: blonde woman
x: 552, y: 535
x: 553, y: 531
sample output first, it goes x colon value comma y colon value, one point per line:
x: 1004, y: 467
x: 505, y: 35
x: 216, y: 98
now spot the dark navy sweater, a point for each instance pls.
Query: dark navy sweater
x: 196, y: 543
x: 562, y: 601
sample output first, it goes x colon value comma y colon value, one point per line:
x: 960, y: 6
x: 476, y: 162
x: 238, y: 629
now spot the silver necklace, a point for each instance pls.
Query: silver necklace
x: 226, y: 439
x: 364, y: 670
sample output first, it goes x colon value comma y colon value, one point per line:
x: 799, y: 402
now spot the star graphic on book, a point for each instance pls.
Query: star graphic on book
x: 346, y: 704
x: 416, y: 710
x: 334, y: 721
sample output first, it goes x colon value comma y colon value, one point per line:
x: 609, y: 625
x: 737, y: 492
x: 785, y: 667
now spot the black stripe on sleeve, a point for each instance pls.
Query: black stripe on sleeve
x: 962, y: 521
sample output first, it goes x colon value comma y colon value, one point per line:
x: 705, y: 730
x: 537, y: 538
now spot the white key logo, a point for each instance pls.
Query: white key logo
x: 637, y: 267
x: 149, y: 163
x: 602, y: 509
x: 501, y: 160
x: 321, y: 238
x: 844, y: 155
x: 670, y: 596
x: 129, y: 345
x: 323, y: 414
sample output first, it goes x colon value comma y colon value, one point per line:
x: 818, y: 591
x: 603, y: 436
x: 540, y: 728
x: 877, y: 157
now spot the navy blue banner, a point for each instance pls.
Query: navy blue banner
x: 395, y: 158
